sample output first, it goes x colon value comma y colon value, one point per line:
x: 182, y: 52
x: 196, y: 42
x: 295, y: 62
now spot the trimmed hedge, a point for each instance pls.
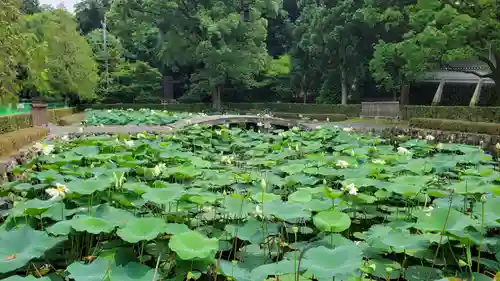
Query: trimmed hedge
x: 13, y: 141
x: 14, y: 122
x: 456, y: 126
x: 319, y: 117
x: 476, y: 114
x: 350, y: 110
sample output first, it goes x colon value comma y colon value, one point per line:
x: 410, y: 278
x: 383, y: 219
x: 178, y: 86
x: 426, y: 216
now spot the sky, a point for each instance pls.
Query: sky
x: 67, y: 3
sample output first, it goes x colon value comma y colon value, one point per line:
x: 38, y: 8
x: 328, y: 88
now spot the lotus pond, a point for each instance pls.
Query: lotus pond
x: 235, y: 204
x: 134, y: 117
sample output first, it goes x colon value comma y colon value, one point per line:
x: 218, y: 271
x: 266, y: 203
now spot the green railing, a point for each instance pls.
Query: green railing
x: 25, y: 107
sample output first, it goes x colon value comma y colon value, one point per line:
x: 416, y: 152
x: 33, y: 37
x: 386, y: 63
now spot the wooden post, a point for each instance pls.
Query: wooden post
x: 39, y: 114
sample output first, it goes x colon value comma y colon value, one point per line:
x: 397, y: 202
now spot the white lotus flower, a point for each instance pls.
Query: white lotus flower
x: 227, y: 159
x: 430, y: 137
x: 497, y: 146
x: 327, y: 119
x: 45, y: 149
x: 101, y: 125
x: 439, y: 146
x: 342, y: 164
x: 300, y: 116
x: 260, y: 124
x: 190, y: 114
x: 218, y: 132
x: 347, y: 129
x: 59, y: 192
x: 402, y: 150
x: 128, y: 143
x: 318, y: 127
x: 158, y: 169
x: 80, y: 130
x: 378, y: 161
x: 401, y: 136
x: 351, y: 188
x: 141, y: 135
x: 109, y: 110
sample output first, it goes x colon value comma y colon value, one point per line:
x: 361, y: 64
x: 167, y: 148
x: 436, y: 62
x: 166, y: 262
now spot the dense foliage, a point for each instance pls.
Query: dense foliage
x: 336, y: 51
x: 293, y: 205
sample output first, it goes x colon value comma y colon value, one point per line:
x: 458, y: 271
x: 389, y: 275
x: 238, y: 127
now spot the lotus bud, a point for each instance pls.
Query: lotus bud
x: 295, y: 229
x: 234, y: 262
x: 263, y: 184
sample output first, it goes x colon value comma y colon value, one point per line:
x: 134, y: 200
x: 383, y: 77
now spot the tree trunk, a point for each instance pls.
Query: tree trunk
x: 343, y: 85
x: 405, y: 95
x: 168, y: 88
x: 216, y: 98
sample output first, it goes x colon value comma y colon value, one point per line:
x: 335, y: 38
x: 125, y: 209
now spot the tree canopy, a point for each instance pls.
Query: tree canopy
x: 335, y: 51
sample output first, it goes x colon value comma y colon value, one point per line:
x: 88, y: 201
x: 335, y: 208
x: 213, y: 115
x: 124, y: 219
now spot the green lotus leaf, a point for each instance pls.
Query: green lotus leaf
x: 19, y: 246
x: 300, y: 196
x: 385, y: 268
x: 115, y: 216
x: 332, y: 221
x: 343, y: 261
x: 34, y: 207
x: 164, y: 196
x: 286, y: 211
x: 422, y: 273
x: 439, y: 219
x: 276, y: 269
x: 60, y: 228
x: 137, y: 187
x: 237, y: 272
x: 193, y: 245
x: 89, y: 186
x: 142, y: 229
x: 103, y: 269
x: 91, y: 225
x: 176, y: 228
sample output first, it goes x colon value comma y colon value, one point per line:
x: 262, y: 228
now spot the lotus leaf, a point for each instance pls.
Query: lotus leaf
x: 193, y: 245
x: 20, y: 246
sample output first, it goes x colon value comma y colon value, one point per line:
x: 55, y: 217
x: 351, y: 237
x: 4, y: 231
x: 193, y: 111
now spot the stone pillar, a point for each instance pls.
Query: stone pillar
x: 39, y: 114
x: 439, y: 93
x: 477, y: 93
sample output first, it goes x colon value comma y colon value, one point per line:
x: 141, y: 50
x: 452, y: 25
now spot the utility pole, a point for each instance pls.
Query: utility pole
x: 105, y: 41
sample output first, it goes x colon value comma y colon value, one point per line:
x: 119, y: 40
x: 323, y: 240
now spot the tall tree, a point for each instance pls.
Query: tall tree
x: 90, y: 14
x: 67, y: 63
x: 30, y: 7
x: 219, y: 42
x: 10, y: 45
x: 441, y: 32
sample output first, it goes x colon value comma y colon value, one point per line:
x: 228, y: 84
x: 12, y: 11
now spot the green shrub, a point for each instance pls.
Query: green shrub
x: 14, y: 122
x: 319, y: 117
x: 456, y: 125
x: 476, y: 114
x: 13, y: 141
